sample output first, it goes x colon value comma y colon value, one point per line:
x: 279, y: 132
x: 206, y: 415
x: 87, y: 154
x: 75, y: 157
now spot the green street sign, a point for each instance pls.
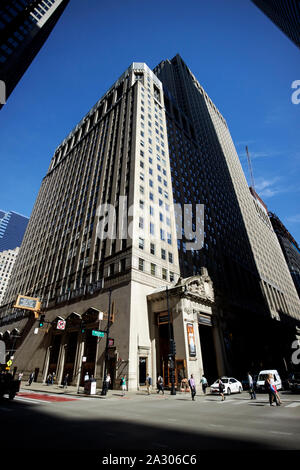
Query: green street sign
x: 100, y: 334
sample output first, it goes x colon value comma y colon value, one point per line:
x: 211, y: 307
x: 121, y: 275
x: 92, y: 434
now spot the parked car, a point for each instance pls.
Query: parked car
x: 260, y: 384
x: 231, y: 386
x: 294, y: 382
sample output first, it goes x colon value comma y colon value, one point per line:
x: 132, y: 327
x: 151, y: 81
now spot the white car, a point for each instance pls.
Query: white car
x: 231, y: 386
x: 260, y: 383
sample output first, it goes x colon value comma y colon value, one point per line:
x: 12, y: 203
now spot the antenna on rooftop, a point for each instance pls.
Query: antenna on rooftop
x: 250, y: 168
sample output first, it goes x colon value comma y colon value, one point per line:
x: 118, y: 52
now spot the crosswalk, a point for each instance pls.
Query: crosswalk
x: 239, y: 402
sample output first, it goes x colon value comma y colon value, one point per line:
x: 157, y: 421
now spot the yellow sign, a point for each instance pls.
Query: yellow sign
x: 9, y: 363
x: 28, y: 303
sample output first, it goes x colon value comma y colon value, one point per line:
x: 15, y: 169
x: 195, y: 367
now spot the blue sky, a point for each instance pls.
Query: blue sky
x: 244, y: 62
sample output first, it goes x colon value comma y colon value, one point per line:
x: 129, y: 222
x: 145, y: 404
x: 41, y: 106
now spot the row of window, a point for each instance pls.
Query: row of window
x: 155, y: 272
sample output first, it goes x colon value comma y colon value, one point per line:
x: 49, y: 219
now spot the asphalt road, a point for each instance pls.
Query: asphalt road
x: 108, y: 426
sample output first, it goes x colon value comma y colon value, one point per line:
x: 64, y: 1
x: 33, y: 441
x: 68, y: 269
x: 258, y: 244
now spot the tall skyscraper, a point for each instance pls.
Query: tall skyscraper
x: 290, y: 248
x: 24, y: 27
x: 240, y: 250
x: 12, y: 229
x: 207, y: 273
x: 285, y: 14
x: 7, y: 261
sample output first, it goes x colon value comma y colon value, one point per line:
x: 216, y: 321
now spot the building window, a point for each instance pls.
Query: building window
x: 141, y: 243
x: 141, y: 264
x: 163, y: 253
x: 153, y: 269
x: 152, y: 248
x: 164, y: 273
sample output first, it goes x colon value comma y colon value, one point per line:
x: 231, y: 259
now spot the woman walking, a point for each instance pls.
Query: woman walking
x: 221, y: 389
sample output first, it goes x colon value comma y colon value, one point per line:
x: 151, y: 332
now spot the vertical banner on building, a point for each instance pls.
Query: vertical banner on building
x: 191, y: 339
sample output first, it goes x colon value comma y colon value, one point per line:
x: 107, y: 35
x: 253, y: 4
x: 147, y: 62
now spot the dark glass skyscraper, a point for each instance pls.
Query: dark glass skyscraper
x: 12, y: 229
x: 24, y: 27
x: 285, y: 14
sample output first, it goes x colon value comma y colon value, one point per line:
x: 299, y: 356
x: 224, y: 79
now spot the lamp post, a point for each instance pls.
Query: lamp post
x: 171, y: 348
x: 104, y: 386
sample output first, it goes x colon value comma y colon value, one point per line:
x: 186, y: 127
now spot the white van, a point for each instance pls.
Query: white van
x: 260, y: 384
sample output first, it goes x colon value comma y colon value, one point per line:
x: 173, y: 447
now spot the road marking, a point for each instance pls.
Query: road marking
x: 31, y: 400
x: 293, y: 405
x: 282, y: 433
x: 217, y: 425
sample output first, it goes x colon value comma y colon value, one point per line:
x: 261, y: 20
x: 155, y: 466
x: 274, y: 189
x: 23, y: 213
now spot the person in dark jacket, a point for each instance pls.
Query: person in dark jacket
x: 221, y: 389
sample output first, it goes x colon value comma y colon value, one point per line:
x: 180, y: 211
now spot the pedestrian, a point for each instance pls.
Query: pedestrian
x: 160, y: 384
x: 251, y: 387
x: 49, y: 379
x: 204, y: 383
x: 221, y: 390
x: 65, y: 381
x: 192, y: 387
x: 107, y: 381
x: 30, y: 380
x: 274, y: 391
x: 184, y: 385
x: 148, y: 383
x: 20, y: 376
x: 270, y: 390
x: 123, y: 385
x: 52, y: 378
x: 86, y: 377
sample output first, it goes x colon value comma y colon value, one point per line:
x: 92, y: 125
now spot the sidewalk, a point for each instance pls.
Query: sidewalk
x: 73, y: 391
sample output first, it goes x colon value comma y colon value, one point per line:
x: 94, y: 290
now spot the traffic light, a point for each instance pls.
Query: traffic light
x: 172, y: 347
x: 41, y: 320
x: 82, y: 326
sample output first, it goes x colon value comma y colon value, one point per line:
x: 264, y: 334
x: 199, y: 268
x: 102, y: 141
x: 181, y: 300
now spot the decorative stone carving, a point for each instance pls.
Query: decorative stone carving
x: 200, y: 286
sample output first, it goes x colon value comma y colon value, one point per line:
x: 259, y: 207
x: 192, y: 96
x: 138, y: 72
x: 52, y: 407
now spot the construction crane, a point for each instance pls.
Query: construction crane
x: 250, y: 168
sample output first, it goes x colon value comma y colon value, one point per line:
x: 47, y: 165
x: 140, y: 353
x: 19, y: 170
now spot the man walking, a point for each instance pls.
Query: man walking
x: 148, y: 383
x: 251, y: 387
x: 204, y: 383
x: 160, y: 384
x: 192, y: 387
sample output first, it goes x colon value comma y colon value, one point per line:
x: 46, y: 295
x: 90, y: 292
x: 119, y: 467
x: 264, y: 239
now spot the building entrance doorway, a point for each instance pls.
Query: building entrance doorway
x: 142, y: 370
x: 70, y: 356
x: 54, y: 354
x: 90, y: 348
x: 208, y: 353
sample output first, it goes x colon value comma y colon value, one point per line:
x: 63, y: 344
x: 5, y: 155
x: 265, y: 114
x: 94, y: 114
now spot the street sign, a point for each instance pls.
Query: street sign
x: 28, y: 303
x: 100, y: 334
x: 61, y: 325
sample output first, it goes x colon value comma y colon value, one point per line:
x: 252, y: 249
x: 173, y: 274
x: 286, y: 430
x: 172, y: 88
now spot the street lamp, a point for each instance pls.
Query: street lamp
x: 104, y: 386
x: 172, y: 349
